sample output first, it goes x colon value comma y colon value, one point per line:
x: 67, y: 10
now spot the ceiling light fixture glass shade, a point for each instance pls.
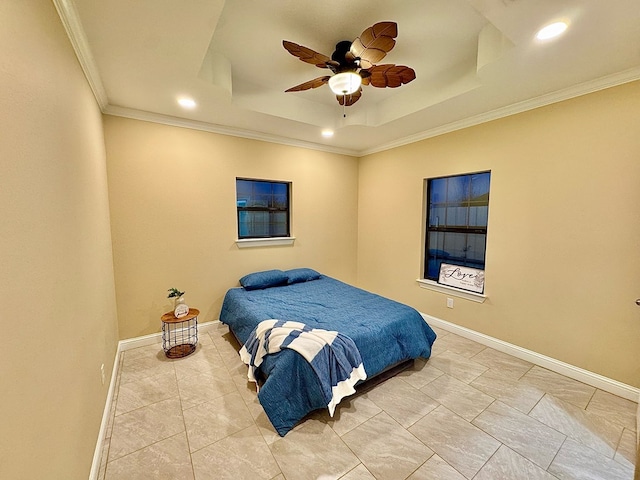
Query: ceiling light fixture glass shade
x: 345, y: 83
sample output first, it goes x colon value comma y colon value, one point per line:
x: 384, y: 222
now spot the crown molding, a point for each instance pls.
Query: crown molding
x: 585, y: 88
x: 513, y: 109
x: 223, y: 130
x: 71, y: 21
x: 73, y: 26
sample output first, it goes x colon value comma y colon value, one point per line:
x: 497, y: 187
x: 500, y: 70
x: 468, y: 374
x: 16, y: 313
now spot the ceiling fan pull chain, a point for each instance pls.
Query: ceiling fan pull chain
x: 344, y: 105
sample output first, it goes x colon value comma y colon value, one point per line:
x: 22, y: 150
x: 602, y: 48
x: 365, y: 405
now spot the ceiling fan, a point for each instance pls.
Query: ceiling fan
x: 354, y: 64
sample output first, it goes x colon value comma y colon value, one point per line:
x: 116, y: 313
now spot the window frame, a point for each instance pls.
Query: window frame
x: 270, y: 209
x: 438, y: 228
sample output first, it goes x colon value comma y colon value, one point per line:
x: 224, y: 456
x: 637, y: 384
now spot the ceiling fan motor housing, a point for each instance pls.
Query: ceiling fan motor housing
x: 340, y: 55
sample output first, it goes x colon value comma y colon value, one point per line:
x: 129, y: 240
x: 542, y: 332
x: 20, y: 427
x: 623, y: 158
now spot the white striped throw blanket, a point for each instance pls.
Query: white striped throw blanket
x: 334, y: 357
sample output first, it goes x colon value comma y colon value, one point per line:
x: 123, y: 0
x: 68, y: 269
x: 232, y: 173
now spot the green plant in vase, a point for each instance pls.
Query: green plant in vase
x: 181, y: 309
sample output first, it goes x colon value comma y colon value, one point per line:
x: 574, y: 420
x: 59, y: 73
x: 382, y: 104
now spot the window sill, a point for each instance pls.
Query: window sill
x: 456, y: 292
x: 265, y: 242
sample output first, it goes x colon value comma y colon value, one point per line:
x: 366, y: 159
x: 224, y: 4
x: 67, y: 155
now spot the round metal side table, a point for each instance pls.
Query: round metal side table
x: 180, y: 335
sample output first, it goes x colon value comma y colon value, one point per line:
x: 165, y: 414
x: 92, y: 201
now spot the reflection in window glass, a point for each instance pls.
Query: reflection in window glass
x: 457, y: 217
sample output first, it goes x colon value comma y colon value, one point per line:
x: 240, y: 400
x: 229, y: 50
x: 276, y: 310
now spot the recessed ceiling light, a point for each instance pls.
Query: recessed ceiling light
x: 327, y: 133
x: 551, y: 31
x: 187, y: 102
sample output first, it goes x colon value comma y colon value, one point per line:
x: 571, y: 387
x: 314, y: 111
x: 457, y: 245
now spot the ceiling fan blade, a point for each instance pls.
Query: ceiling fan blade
x: 373, y: 44
x: 306, y: 54
x: 365, y: 64
x: 348, y: 100
x: 315, y: 83
x: 390, y: 75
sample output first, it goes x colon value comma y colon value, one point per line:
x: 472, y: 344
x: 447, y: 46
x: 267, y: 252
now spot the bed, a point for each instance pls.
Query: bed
x: 385, y: 332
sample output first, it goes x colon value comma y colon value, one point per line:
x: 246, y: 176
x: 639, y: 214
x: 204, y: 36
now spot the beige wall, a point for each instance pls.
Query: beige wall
x: 637, y: 469
x: 173, y: 216
x: 564, y: 228
x: 563, y: 210
x: 58, y: 314
x: 562, y: 249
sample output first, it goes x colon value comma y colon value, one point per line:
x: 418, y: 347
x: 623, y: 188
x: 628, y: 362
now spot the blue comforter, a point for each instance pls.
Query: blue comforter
x: 386, y: 333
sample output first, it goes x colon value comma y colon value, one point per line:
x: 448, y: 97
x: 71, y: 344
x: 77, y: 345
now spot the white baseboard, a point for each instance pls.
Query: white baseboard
x: 595, y: 380
x: 153, y: 338
x: 124, y: 345
x: 97, y: 454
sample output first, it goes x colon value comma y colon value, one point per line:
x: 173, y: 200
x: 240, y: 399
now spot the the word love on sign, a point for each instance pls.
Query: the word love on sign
x: 465, y: 278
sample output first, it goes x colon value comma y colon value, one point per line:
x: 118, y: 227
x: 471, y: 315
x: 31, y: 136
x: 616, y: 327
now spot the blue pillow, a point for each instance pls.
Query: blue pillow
x: 266, y: 279
x: 298, y: 275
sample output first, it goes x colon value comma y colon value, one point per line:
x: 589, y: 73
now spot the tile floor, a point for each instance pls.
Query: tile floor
x: 469, y: 412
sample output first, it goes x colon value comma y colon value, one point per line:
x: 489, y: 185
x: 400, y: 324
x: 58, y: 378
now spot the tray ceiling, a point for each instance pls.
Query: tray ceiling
x: 475, y: 60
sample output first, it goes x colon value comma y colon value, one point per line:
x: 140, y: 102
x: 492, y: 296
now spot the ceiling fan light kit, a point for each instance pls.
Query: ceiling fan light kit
x: 354, y: 64
x: 345, y: 83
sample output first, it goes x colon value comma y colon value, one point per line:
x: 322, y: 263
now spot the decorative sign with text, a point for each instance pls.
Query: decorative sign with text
x: 465, y: 278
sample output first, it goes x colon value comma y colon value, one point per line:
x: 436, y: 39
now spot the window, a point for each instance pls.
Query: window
x: 457, y: 213
x: 263, y: 208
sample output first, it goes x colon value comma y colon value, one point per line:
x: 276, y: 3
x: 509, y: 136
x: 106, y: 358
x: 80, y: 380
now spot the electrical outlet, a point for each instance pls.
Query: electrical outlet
x: 102, y: 375
x: 450, y: 302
